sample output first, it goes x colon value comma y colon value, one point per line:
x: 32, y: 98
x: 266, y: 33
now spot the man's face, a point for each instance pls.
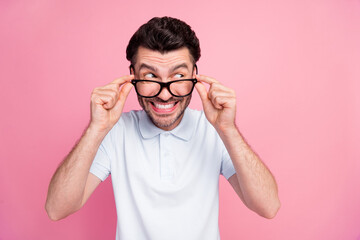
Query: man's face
x: 165, y: 110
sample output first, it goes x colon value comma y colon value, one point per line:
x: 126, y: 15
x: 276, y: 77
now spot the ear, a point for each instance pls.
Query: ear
x: 196, y: 71
x: 132, y: 69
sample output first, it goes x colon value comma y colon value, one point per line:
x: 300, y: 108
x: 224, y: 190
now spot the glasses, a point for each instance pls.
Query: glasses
x: 177, y: 88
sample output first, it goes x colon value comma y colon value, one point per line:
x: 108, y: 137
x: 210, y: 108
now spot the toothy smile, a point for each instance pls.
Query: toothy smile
x: 164, y: 107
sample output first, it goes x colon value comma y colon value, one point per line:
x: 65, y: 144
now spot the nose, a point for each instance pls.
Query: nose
x: 165, y: 94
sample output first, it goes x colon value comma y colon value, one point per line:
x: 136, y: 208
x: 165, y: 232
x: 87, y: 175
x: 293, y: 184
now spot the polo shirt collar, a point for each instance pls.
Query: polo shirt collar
x: 183, y: 131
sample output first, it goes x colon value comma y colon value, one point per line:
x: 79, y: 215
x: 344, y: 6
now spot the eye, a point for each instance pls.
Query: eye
x: 150, y: 75
x: 178, y: 75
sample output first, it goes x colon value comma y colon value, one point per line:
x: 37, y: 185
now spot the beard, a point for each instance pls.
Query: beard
x: 165, y: 120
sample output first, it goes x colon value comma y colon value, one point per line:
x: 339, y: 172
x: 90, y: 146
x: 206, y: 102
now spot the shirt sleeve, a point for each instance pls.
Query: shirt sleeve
x: 101, y: 164
x: 227, y: 167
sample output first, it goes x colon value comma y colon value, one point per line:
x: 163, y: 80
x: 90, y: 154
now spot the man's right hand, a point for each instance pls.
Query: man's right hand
x: 72, y: 184
x: 107, y: 103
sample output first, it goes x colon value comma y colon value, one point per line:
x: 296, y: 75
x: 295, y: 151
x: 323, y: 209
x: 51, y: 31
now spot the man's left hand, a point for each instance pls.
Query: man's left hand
x: 219, y: 103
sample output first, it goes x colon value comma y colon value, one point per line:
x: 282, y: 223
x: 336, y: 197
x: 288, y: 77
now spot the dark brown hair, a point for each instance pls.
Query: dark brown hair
x: 163, y: 35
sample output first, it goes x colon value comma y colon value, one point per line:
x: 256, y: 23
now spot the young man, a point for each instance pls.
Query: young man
x: 164, y: 161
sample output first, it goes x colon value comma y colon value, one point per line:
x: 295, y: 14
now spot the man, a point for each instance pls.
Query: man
x: 164, y: 161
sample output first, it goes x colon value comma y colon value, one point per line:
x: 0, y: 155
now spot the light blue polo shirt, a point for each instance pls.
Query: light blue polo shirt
x: 166, y: 183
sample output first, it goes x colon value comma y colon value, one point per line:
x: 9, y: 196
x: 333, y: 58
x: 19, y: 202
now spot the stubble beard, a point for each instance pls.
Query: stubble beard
x: 144, y: 103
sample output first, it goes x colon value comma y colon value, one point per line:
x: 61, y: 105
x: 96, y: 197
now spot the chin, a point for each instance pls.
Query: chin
x: 165, y: 121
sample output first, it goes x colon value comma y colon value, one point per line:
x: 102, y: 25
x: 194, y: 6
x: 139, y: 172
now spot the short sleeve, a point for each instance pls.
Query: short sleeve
x: 227, y: 167
x: 101, y: 164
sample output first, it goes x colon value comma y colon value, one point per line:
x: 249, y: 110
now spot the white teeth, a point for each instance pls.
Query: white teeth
x: 164, y: 106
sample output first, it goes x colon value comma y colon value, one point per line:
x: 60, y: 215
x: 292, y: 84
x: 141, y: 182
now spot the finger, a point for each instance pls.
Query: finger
x: 106, y: 94
x: 124, y: 93
x: 105, y: 100
x: 107, y: 91
x: 206, y: 79
x: 122, y: 80
x: 216, y: 103
x: 221, y: 88
x: 218, y: 90
x: 221, y: 102
x: 116, y: 84
x: 201, y: 89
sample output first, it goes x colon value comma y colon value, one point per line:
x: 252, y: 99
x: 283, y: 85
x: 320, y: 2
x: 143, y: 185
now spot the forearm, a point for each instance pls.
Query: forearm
x: 66, y: 189
x: 257, y: 184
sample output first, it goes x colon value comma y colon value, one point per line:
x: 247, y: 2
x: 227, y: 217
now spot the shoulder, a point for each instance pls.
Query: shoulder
x: 133, y: 116
x: 199, y: 119
x: 128, y: 121
x: 206, y: 133
x: 127, y: 125
x: 194, y: 114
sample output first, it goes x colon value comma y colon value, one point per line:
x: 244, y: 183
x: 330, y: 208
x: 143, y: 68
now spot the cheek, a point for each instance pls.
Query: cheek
x: 187, y: 100
x: 141, y: 101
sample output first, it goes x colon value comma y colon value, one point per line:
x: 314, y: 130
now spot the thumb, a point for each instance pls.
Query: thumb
x: 201, y: 89
x: 124, y: 93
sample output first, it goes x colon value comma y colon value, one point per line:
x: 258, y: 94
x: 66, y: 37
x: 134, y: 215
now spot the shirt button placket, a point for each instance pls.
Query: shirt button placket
x: 166, y: 160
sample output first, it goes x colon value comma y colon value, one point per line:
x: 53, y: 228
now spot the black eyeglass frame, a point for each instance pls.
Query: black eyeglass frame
x: 164, y: 85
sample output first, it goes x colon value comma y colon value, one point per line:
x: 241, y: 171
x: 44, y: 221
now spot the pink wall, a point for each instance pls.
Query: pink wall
x: 295, y: 66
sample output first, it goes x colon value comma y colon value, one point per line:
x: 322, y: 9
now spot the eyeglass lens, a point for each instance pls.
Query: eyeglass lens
x: 178, y: 88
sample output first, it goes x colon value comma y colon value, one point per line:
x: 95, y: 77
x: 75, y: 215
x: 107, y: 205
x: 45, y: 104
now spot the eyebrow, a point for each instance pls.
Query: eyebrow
x: 144, y: 65
x: 152, y: 68
x: 182, y: 65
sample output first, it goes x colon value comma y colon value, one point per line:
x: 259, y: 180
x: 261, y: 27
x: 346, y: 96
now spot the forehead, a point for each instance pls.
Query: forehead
x: 163, y: 60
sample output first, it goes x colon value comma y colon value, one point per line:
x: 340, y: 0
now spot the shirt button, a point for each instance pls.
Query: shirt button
x: 166, y: 134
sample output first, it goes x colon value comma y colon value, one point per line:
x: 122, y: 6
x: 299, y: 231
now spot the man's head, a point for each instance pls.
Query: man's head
x: 163, y: 50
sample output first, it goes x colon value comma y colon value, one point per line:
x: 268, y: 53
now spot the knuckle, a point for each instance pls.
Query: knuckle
x: 218, y: 98
x: 95, y: 90
x: 93, y: 95
x: 215, y: 85
x: 114, y: 97
x: 114, y: 93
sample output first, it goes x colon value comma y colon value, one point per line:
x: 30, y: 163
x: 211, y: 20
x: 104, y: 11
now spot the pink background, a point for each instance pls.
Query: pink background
x: 295, y: 66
